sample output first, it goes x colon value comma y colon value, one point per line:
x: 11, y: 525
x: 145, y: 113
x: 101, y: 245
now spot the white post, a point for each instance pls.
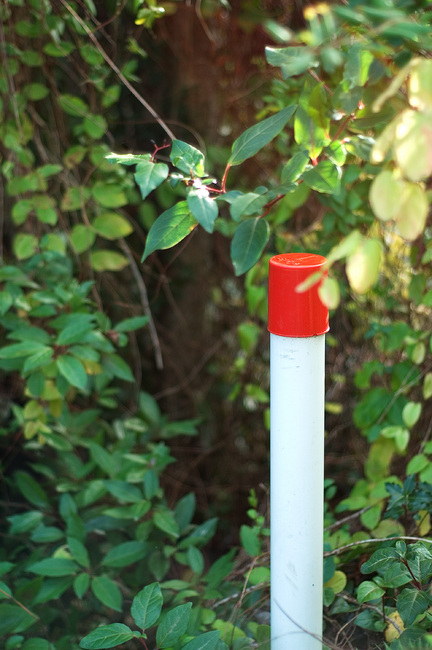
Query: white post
x: 297, y: 324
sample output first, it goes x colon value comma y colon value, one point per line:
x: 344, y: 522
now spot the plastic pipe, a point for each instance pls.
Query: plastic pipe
x: 297, y: 323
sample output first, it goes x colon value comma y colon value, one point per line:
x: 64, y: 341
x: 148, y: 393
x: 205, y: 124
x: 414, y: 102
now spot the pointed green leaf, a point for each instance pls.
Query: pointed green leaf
x: 24, y: 349
x: 118, y: 367
x: 81, y: 584
x: 169, y: 229
x: 132, y: 324
x: 31, y: 489
x: 248, y: 243
x: 54, y: 567
x: 357, y: 65
x: 78, y: 552
x: 206, y: 641
x: 14, y: 619
x: 294, y: 167
x: 107, y: 592
x: 410, y: 603
x: 257, y: 136
x: 325, y: 177
x: 379, y: 560
x: 203, y: 208
x: 149, y: 175
x: 127, y: 158
x: 173, y: 626
x: 125, y: 554
x: 369, y: 590
x: 107, y: 636
x: 147, y: 606
x: 164, y: 520
x: 73, y: 370
x: 188, y: 159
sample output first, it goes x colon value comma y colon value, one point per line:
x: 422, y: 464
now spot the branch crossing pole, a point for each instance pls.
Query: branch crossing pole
x: 297, y: 322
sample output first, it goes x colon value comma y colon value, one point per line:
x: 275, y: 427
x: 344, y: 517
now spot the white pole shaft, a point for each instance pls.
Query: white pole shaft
x: 296, y: 491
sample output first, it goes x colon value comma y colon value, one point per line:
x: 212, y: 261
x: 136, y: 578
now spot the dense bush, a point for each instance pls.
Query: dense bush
x: 99, y: 549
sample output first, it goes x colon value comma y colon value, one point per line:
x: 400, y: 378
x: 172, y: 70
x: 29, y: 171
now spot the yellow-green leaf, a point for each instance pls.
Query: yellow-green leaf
x: 363, y: 265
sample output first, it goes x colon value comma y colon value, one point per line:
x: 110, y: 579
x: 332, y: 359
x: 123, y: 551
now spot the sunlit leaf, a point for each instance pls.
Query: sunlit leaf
x: 187, y: 158
x: 149, y: 175
x: 324, y: 177
x: 203, y: 208
x: 413, y: 211
x: 329, y: 292
x: 413, y: 144
x: 420, y: 85
x: 363, y: 265
x: 170, y: 228
x: 112, y: 225
x: 292, y: 60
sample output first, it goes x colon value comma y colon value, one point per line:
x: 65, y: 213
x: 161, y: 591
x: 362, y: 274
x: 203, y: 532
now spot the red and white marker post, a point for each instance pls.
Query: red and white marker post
x: 297, y: 323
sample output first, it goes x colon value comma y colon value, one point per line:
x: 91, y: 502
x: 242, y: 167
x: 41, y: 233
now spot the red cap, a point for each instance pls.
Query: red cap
x: 293, y: 313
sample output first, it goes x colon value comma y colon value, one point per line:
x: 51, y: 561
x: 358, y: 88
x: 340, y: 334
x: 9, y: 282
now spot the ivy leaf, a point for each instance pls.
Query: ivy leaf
x: 248, y: 243
x: 149, y: 176
x: 107, y: 636
x: 147, y: 606
x: 203, y: 208
x: 170, y: 228
x: 107, y: 592
x: 324, y: 177
x: 411, y: 603
x: 173, y: 626
x: 187, y: 159
x: 257, y: 136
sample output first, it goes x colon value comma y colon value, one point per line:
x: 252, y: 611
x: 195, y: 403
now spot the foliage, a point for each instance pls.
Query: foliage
x: 343, y: 132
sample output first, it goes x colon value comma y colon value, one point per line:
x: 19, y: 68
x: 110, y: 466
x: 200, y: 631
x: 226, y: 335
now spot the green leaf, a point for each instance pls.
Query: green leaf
x: 112, y: 226
x: 201, y: 535
x: 248, y: 243
x: 149, y: 175
x: 78, y: 552
x: 206, y: 641
x: 75, y: 332
x: 250, y: 540
x: 109, y: 195
x: 173, y: 626
x: 187, y: 159
x: 25, y: 245
x: 413, y: 211
x: 410, y: 603
x: 294, y: 167
x: 107, y: 636
x: 385, y: 195
x: 107, y: 592
x: 81, y: 584
x: 195, y: 560
x: 25, y: 522
x: 31, y: 489
x: 379, y: 560
x: 118, y: 367
x: 420, y: 87
x: 411, y: 145
x: 324, y: 177
x: 369, y: 590
x: 14, y: 619
x: 132, y: 324
x: 292, y: 60
x: 54, y: 567
x: 24, y: 349
x: 164, y: 520
x: 170, y: 228
x: 147, y: 606
x: 203, y: 208
x: 257, y: 136
x: 107, y: 260
x: 127, y: 158
x: 125, y: 554
x: 329, y: 292
x: 357, y: 65
x: 73, y: 105
x: 73, y: 370
x: 411, y: 413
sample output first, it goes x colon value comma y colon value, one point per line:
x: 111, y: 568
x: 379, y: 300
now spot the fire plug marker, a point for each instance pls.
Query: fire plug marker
x: 297, y: 322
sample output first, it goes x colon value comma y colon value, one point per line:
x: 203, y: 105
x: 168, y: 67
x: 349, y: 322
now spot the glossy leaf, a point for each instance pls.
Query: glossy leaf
x: 324, y: 177
x: 257, y: 136
x: 170, y: 228
x: 203, y: 208
x: 187, y: 158
x: 147, y: 606
x: 248, y: 243
x: 369, y: 590
x: 410, y: 603
x: 107, y: 636
x: 107, y: 592
x: 206, y: 641
x: 173, y: 626
x: 149, y: 175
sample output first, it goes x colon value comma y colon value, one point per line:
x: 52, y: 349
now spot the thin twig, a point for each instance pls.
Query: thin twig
x: 342, y: 549
x: 120, y: 75
x: 142, y: 289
